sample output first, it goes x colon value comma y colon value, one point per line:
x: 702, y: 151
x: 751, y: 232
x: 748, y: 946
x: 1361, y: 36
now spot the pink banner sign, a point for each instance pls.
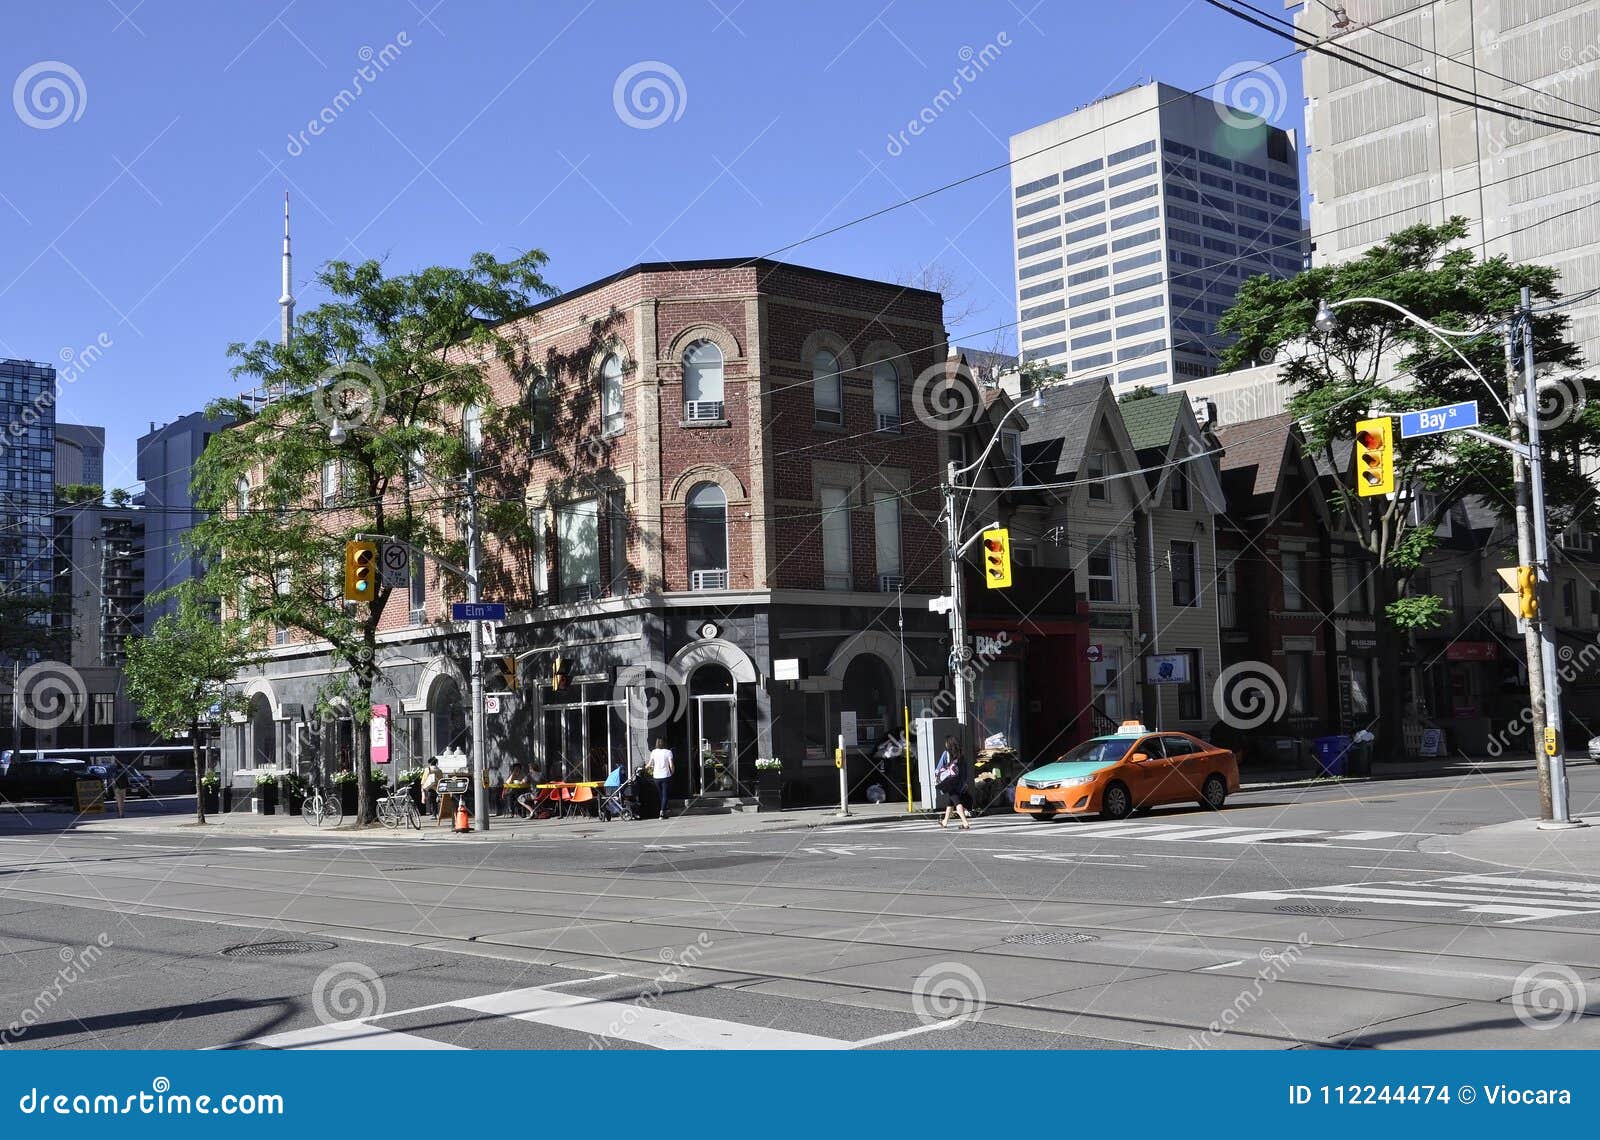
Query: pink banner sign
x: 380, y: 734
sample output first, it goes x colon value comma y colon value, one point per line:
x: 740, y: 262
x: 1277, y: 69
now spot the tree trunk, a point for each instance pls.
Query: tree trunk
x: 199, y: 772
x: 1390, y: 688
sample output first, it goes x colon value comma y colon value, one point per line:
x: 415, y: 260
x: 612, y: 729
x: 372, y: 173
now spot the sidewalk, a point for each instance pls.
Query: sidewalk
x: 1522, y: 846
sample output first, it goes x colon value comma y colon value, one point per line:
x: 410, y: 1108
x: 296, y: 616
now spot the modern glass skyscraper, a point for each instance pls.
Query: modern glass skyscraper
x: 27, y: 477
x: 1135, y: 220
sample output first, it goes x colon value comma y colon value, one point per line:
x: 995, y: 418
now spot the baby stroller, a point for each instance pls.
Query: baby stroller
x: 620, y: 802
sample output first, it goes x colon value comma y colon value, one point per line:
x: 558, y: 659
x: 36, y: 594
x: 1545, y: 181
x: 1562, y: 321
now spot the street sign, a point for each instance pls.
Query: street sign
x: 478, y: 611
x: 1096, y: 653
x: 491, y: 704
x: 1433, y: 421
x: 380, y: 734
x: 396, y: 562
x: 847, y: 727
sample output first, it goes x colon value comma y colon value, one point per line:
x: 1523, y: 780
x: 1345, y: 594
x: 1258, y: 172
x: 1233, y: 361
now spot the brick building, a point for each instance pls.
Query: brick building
x: 721, y: 472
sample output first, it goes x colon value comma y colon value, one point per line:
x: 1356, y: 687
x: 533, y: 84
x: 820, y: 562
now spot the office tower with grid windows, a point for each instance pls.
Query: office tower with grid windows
x: 1381, y: 156
x: 1135, y: 219
x: 27, y: 478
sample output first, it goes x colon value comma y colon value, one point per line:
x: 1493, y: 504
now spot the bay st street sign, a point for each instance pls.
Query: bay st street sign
x: 1434, y: 421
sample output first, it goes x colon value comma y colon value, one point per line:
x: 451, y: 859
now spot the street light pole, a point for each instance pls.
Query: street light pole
x: 1554, y: 744
x: 479, y: 773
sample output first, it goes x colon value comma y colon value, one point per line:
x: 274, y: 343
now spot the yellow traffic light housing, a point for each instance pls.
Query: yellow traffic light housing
x: 1375, y: 457
x: 508, y: 673
x: 360, y: 571
x: 560, y: 674
x: 1527, y: 593
x: 997, y: 558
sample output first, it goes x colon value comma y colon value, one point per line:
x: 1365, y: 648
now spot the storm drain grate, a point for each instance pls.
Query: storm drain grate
x: 1050, y: 938
x: 1313, y: 909
x: 279, y: 949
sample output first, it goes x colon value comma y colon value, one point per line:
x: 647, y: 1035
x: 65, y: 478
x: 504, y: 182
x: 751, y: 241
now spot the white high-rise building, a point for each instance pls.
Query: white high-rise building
x: 1382, y: 157
x: 1135, y: 220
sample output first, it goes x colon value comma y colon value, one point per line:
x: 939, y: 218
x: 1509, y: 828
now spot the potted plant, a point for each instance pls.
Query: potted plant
x: 211, y: 790
x: 267, y: 793
x: 344, y: 786
x: 411, y: 780
x: 292, y: 787
x: 769, y: 784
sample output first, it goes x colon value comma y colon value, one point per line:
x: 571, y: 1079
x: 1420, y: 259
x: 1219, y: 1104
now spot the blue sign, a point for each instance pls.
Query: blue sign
x: 478, y: 611
x: 1432, y: 421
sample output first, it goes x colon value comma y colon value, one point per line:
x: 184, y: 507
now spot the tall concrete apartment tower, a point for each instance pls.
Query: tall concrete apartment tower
x: 1135, y: 220
x: 1381, y: 157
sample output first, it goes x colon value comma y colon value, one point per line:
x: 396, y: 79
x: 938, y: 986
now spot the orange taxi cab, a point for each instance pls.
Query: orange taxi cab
x: 1131, y: 769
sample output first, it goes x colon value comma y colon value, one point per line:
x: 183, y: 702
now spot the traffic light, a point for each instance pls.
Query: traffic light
x: 560, y: 674
x: 1375, y: 457
x: 1523, y: 598
x: 997, y: 558
x: 360, y: 571
x: 508, y: 673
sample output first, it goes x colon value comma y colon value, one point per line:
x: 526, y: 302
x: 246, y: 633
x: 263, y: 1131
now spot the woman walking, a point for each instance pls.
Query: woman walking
x: 120, y: 781
x: 951, y: 774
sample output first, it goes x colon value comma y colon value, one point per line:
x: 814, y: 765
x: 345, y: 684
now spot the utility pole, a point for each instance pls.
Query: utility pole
x: 1532, y: 648
x: 478, y: 772
x: 959, y: 653
x: 1554, y: 744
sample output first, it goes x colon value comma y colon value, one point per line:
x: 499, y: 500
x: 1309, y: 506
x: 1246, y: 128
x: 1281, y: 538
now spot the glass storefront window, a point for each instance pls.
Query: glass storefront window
x: 995, y: 693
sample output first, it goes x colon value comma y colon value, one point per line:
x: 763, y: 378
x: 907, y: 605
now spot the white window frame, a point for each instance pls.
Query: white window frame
x: 1108, y: 547
x: 613, y: 419
x: 886, y: 526
x: 1294, y: 593
x: 539, y: 523
x: 823, y: 381
x: 699, y: 379
x: 885, y: 396
x: 834, y: 575
x: 1194, y: 572
x: 1094, y: 473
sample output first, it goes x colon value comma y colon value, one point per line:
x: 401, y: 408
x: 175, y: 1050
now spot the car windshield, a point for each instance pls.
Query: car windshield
x: 1100, y: 750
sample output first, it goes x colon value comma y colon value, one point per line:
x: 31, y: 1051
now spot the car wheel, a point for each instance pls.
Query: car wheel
x: 1116, y: 802
x: 1213, y: 792
x: 1042, y: 817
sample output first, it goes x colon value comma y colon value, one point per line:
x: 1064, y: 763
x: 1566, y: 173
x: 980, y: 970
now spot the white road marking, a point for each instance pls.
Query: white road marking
x: 350, y: 1035
x: 1223, y: 965
x: 1516, y: 898
x: 1262, y: 836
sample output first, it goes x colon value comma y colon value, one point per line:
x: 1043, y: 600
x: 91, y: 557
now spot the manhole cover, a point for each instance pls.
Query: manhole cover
x: 279, y: 949
x: 1050, y: 938
x: 1312, y: 909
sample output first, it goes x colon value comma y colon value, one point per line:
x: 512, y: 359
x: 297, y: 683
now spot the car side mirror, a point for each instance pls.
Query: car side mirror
x: 1138, y: 758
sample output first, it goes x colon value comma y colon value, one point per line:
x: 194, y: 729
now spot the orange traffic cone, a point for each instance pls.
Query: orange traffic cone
x: 463, y: 823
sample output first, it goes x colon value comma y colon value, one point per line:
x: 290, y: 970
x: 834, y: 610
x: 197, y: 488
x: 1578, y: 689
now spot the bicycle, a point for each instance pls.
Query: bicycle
x: 321, y: 805
x: 399, y: 808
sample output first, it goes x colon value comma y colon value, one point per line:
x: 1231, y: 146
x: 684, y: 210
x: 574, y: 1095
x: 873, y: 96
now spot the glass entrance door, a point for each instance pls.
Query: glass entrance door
x: 715, y: 747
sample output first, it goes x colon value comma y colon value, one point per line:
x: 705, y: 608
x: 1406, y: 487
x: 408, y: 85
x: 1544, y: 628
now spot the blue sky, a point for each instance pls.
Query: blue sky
x: 141, y: 205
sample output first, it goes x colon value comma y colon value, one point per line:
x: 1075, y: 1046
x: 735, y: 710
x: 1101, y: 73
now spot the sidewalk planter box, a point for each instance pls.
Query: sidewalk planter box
x: 769, y: 789
x: 211, y: 800
x: 267, y: 797
x: 347, y: 798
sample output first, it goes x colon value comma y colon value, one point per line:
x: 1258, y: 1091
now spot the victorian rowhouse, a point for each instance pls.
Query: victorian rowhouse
x: 718, y: 495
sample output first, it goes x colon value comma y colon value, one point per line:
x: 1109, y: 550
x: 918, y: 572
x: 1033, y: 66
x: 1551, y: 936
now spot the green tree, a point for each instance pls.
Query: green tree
x: 178, y: 674
x: 393, y: 360
x: 1376, y: 360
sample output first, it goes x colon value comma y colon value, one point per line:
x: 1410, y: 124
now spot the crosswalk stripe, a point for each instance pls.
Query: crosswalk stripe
x: 1259, y: 836
x: 1534, y: 884
x: 1362, y: 836
x: 349, y: 1035
x: 640, y: 1023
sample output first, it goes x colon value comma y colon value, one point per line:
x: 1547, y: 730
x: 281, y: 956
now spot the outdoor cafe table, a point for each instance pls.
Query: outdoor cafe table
x: 552, y: 793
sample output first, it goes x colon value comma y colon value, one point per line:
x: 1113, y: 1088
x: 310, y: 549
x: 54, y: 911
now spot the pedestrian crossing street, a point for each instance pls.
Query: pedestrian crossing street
x: 1142, y: 830
x: 555, y: 1009
x: 1509, y: 898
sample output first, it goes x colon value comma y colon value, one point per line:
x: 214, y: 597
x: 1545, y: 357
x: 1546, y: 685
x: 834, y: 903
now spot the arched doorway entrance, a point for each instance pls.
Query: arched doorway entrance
x: 713, y: 731
x: 447, y: 717
x: 869, y: 692
x: 263, y: 733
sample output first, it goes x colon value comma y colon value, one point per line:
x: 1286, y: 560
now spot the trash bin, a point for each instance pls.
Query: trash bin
x: 1333, y: 754
x: 1360, y: 763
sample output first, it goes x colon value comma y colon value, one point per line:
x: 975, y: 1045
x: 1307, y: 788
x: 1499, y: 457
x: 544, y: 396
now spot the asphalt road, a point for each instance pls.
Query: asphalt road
x: 1306, y: 917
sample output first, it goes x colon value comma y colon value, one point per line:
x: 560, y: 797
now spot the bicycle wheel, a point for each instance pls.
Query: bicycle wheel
x: 311, y: 810
x: 332, y: 811
x: 413, y: 816
x: 388, y: 815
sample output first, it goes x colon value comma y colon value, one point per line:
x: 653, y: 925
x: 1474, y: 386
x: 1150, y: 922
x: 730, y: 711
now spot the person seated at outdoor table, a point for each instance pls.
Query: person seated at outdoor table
x: 514, y: 788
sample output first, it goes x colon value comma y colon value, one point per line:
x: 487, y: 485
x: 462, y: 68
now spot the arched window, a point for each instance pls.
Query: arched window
x: 702, y: 381
x: 243, y: 495
x: 827, y: 389
x: 706, y: 533
x: 611, y: 395
x: 472, y: 428
x: 885, y: 396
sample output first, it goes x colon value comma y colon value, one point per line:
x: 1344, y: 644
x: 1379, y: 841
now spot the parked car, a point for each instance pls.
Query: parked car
x: 106, y: 766
x: 1594, y: 749
x: 42, y: 780
x: 1129, y: 770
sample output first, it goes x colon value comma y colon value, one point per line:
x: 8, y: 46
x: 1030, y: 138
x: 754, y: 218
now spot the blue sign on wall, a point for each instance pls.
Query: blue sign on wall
x: 478, y: 611
x: 1432, y: 421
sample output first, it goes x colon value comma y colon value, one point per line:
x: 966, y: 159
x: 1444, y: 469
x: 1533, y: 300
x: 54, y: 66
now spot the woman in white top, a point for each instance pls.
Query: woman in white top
x: 661, y: 769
